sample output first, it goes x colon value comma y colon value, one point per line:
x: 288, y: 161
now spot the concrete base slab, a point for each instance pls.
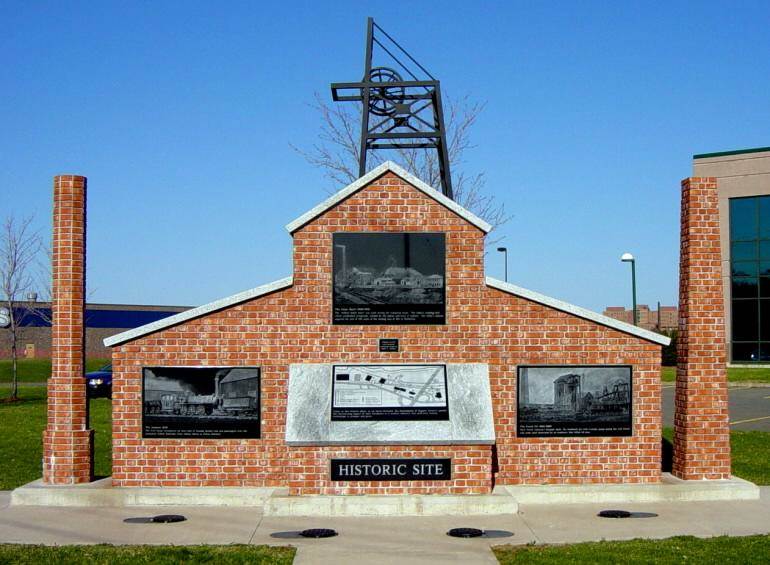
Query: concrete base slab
x: 670, y: 489
x: 499, y: 502
x: 277, y: 502
x: 102, y: 493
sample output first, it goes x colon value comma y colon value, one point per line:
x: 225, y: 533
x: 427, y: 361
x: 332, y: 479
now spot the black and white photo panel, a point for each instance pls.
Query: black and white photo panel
x: 200, y: 402
x: 574, y: 401
x: 389, y: 278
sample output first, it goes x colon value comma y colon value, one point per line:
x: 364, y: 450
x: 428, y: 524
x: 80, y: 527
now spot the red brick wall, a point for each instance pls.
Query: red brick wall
x: 67, y: 441
x: 701, y: 424
x: 293, y: 326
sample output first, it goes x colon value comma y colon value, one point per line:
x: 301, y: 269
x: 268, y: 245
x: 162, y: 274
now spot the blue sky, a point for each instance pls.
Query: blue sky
x: 181, y: 114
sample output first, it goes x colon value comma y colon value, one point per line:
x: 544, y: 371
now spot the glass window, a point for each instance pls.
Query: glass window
x: 745, y: 268
x: 764, y: 217
x: 764, y: 320
x: 750, y: 278
x: 745, y: 320
x: 743, y: 219
x: 745, y: 352
x: 747, y: 250
x: 764, y: 288
x: 746, y: 287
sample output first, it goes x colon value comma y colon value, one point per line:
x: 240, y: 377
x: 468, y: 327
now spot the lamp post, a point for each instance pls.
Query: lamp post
x: 504, y: 250
x: 628, y: 258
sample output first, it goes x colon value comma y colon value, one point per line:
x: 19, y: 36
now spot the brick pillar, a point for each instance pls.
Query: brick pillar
x: 67, y: 441
x: 701, y: 423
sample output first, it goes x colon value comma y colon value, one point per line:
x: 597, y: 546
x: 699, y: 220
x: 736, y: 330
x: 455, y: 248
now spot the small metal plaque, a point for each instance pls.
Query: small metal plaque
x: 388, y: 345
x: 391, y: 469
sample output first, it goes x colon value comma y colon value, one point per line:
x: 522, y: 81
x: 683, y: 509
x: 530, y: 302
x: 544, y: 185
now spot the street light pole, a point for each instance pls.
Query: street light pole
x: 504, y: 250
x: 628, y: 258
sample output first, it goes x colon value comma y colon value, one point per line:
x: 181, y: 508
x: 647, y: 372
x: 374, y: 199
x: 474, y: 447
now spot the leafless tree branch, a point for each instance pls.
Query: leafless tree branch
x: 20, y: 245
x: 336, y: 153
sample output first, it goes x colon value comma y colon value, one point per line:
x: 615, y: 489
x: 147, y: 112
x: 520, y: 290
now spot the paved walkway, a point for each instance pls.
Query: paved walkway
x: 381, y: 540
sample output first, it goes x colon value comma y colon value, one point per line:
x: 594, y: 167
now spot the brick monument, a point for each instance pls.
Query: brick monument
x: 489, y: 331
x: 701, y: 422
x: 67, y: 441
x: 389, y: 364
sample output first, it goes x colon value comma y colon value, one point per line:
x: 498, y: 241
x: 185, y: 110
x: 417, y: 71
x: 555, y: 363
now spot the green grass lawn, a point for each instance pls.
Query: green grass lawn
x: 751, y: 549
x: 21, y: 452
x: 38, y: 370
x: 734, y: 374
x: 137, y: 554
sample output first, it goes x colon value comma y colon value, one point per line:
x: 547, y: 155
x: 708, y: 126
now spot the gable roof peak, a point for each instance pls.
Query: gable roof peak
x: 387, y: 166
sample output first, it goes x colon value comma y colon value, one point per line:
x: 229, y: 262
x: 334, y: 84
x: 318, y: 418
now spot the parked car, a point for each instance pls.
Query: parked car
x: 99, y: 383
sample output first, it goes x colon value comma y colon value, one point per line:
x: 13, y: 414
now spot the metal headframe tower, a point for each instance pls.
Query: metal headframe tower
x: 397, y: 113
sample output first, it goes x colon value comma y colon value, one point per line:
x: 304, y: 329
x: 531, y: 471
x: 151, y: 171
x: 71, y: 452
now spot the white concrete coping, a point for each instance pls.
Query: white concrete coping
x: 670, y: 489
x: 499, y: 502
x: 101, y: 493
x: 578, y: 311
x: 355, y: 186
x: 504, y: 499
x: 198, y: 312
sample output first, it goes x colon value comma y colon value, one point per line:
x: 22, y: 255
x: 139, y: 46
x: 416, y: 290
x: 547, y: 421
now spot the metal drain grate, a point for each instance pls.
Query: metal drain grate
x: 614, y: 514
x: 465, y: 533
x: 318, y: 533
x: 159, y: 519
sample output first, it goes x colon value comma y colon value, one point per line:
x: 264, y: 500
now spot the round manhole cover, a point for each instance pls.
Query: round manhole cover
x: 168, y: 518
x: 614, y: 514
x: 465, y: 533
x: 318, y: 533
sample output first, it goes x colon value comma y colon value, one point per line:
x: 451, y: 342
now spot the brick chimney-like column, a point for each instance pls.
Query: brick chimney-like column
x: 701, y: 421
x: 67, y: 441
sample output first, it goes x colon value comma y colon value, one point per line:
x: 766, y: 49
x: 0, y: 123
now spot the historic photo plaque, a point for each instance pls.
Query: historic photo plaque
x: 200, y: 402
x: 389, y: 278
x: 389, y: 392
x: 391, y: 469
x: 574, y: 401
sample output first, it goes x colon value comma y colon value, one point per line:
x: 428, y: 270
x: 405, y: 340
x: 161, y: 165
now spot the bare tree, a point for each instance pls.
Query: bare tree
x: 19, y: 248
x: 336, y: 154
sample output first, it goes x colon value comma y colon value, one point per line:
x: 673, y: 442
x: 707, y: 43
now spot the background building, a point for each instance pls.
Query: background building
x: 665, y: 319
x: 102, y: 320
x: 743, y: 187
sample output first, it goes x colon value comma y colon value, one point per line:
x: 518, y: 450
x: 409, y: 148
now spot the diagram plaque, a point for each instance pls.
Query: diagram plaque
x: 389, y: 392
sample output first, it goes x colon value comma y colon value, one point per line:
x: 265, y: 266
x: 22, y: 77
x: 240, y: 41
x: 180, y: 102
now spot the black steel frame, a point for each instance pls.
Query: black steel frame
x: 403, y: 127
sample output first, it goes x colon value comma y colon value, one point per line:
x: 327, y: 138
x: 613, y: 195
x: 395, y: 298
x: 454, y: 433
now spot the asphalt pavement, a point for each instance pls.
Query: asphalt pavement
x: 749, y: 407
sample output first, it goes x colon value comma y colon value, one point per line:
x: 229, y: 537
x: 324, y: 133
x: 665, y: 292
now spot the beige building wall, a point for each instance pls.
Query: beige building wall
x: 739, y: 173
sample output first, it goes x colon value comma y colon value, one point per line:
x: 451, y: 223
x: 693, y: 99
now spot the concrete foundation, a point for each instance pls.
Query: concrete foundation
x: 277, y: 502
x: 499, y: 502
x: 102, y: 493
x: 670, y: 489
